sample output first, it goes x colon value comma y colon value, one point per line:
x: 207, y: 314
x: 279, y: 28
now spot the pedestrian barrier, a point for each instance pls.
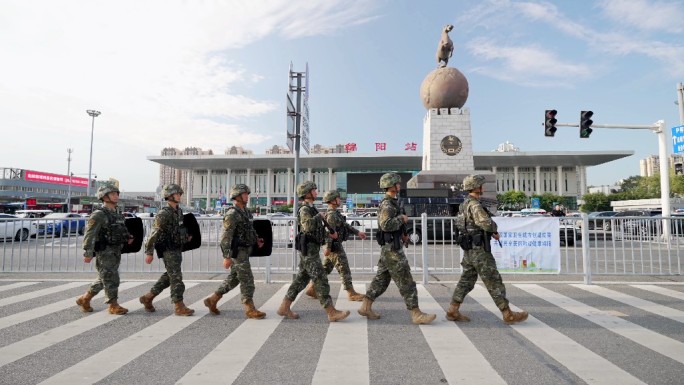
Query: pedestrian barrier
x: 624, y: 245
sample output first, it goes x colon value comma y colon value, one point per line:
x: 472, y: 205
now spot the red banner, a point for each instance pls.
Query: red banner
x: 35, y: 176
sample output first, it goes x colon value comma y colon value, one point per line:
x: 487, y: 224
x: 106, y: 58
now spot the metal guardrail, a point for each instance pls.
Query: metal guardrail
x: 617, y: 246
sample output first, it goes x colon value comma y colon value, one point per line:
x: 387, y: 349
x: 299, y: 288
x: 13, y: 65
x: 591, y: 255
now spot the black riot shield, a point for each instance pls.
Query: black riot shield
x: 193, y: 229
x: 264, y: 231
x: 135, y: 228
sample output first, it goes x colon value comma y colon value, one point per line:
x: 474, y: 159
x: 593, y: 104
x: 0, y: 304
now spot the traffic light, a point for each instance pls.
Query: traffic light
x: 585, y: 124
x: 550, y: 123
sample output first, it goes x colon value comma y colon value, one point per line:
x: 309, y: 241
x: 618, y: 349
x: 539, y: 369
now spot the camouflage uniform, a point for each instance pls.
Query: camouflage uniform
x: 338, y: 257
x: 393, y: 264
x: 106, y: 228
x: 310, y: 266
x: 238, y: 224
x: 477, y: 261
x: 168, y: 229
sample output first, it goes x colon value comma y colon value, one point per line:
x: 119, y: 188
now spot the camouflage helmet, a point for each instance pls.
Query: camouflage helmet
x: 239, y: 189
x: 471, y: 182
x: 171, y: 189
x: 305, y: 188
x: 105, y: 189
x: 390, y: 179
x: 330, y: 196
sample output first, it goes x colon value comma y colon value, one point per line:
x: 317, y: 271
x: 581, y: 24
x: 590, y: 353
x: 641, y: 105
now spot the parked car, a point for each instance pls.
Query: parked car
x: 437, y: 230
x: 601, y: 220
x: 32, y: 213
x: 367, y: 223
x: 653, y: 226
x: 11, y: 226
x: 569, y: 233
x: 635, y: 226
x: 60, y: 223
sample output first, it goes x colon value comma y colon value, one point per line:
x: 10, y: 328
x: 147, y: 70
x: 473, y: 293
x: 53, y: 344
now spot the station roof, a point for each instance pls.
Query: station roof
x: 384, y: 161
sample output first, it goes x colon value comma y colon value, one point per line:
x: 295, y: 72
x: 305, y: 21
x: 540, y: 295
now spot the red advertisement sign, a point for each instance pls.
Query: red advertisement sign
x: 36, y: 176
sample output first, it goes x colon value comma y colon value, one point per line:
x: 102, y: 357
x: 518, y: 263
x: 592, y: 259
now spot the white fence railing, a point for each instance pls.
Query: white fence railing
x: 624, y: 246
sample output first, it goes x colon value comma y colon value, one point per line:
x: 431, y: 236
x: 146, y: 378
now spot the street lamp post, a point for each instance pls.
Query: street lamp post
x: 69, y: 173
x: 94, y: 114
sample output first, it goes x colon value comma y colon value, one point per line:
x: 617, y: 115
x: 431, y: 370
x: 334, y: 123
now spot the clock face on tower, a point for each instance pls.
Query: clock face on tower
x: 451, y: 145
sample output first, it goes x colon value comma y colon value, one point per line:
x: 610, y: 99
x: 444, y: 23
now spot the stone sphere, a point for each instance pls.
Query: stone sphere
x: 444, y: 87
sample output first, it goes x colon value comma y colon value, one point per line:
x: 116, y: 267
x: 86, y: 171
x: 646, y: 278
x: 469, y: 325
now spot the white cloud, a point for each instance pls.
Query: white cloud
x: 530, y: 65
x: 156, y: 69
x: 646, y: 15
x: 511, y: 21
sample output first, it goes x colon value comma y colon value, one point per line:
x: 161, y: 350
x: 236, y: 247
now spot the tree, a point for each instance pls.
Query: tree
x: 547, y: 201
x: 630, y: 183
x: 512, y: 200
x: 595, y: 202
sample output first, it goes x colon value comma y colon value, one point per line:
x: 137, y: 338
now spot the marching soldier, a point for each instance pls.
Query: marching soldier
x: 393, y: 264
x: 312, y: 235
x: 104, y: 238
x: 168, y: 236
x: 335, y: 257
x: 236, y: 243
x: 478, y: 259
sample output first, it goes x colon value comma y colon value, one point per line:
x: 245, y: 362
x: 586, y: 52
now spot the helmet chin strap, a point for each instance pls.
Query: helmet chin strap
x: 477, y: 191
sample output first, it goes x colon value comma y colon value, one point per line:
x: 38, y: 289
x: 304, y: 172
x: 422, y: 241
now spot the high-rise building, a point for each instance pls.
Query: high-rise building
x: 235, y: 150
x: 335, y: 149
x: 183, y: 178
x: 278, y: 150
x: 651, y: 165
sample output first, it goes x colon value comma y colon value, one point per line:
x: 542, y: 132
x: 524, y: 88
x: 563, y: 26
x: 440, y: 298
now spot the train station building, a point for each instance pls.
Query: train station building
x: 207, y: 178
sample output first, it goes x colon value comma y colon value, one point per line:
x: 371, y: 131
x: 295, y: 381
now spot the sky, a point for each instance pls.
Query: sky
x: 214, y: 74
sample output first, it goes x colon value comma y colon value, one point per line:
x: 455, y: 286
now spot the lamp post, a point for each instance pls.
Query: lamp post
x: 680, y: 102
x: 70, y: 176
x: 94, y: 114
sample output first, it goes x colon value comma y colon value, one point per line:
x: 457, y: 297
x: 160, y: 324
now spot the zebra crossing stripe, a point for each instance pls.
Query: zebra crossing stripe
x: 346, y: 341
x: 645, y: 337
x: 661, y: 290
x: 25, y: 347
x: 247, y: 339
x: 587, y: 365
x: 449, y: 344
x: 100, y: 365
x: 16, y: 285
x: 663, y: 311
x: 28, y: 315
x: 40, y: 293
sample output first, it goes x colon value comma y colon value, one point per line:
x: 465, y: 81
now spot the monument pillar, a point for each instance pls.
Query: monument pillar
x: 447, y: 133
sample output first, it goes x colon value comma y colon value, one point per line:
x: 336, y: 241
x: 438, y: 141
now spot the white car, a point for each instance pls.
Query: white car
x: 11, y: 226
x: 366, y: 223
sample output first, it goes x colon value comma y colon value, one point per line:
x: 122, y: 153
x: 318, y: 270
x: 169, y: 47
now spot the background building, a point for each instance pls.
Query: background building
x: 32, y: 190
x: 168, y: 175
x: 651, y: 165
x: 271, y: 176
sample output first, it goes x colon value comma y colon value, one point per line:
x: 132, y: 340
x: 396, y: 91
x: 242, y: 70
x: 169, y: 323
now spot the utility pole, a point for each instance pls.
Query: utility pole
x: 296, y: 87
x: 69, y: 151
x: 94, y: 115
x: 680, y: 102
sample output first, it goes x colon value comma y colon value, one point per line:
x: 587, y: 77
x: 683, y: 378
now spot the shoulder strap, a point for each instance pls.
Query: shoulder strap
x: 240, y: 213
x: 110, y: 218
